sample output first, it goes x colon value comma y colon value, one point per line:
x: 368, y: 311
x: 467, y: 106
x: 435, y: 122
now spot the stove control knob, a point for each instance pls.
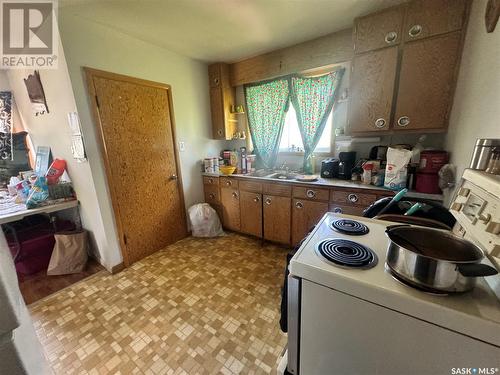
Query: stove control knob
x: 463, y: 192
x: 493, y: 228
x: 456, y: 206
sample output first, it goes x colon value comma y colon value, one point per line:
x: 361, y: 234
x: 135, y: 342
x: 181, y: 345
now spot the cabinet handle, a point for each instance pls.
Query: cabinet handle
x: 210, y: 181
x: 268, y: 201
x: 310, y: 193
x: 229, y: 183
x: 216, y: 81
x: 391, y: 37
x: 219, y: 132
x: 211, y: 196
x: 353, y: 198
x: 299, y: 205
x: 380, y: 123
x: 235, y: 195
x: 403, y: 121
x: 256, y: 199
x: 415, y: 30
x: 337, y: 210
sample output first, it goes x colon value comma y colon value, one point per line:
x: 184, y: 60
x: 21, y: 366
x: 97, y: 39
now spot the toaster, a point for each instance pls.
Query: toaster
x: 330, y: 168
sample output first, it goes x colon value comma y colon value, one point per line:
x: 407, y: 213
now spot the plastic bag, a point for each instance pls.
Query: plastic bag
x: 39, y: 193
x: 395, y: 170
x: 204, y: 221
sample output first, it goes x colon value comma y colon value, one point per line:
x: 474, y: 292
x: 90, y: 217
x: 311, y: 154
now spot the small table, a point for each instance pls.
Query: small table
x: 23, y: 211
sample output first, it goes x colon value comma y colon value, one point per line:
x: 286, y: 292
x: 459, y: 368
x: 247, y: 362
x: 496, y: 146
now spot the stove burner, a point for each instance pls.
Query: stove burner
x: 408, y: 283
x: 346, y: 253
x: 347, y: 226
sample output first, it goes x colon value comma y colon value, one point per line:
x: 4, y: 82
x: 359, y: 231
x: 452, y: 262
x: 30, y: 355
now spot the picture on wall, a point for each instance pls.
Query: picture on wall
x: 36, y: 93
x: 5, y: 125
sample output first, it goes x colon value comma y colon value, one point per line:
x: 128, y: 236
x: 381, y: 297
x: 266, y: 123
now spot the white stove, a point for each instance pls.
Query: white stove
x: 345, y: 320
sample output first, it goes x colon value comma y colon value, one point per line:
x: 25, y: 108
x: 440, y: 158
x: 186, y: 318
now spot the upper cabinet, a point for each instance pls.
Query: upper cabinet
x: 426, y: 18
x: 405, y: 67
x: 378, y: 30
x: 222, y: 100
x: 426, y: 83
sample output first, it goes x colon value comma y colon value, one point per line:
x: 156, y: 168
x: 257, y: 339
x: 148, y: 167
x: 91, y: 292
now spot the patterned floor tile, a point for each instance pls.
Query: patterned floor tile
x: 200, y: 306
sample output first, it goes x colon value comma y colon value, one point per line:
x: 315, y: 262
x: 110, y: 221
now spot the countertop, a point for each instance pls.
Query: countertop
x: 334, y: 182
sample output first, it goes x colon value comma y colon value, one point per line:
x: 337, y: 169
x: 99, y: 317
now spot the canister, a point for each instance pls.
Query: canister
x: 482, y: 153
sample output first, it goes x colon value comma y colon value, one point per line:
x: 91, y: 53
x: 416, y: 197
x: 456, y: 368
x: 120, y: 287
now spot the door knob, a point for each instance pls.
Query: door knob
x: 173, y: 177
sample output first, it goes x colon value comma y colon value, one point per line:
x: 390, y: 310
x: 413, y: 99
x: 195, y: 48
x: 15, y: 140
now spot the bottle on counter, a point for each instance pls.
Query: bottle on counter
x: 215, y: 162
x: 243, y: 160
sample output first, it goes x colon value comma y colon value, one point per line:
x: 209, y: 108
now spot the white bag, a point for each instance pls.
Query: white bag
x: 204, y: 221
x: 395, y: 170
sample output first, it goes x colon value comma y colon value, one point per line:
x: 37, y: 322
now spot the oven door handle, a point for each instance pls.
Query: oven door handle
x: 293, y: 313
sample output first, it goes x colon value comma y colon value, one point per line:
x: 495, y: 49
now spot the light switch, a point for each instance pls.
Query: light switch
x: 182, y: 146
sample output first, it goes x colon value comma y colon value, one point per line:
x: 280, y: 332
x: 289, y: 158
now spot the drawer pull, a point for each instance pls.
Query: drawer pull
x: 268, y: 201
x: 415, y: 30
x: 353, y: 198
x: 210, y: 180
x: 337, y: 210
x: 211, y: 196
x: 391, y: 37
x: 404, y: 121
x: 380, y: 123
x: 299, y: 205
x: 310, y: 193
x: 229, y: 183
x: 235, y: 195
x: 256, y: 199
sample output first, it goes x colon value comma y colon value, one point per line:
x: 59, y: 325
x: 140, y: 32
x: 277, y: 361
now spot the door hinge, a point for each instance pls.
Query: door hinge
x: 124, y: 239
x: 97, y: 101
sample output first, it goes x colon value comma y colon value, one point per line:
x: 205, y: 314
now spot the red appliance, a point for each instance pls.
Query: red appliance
x: 431, y: 162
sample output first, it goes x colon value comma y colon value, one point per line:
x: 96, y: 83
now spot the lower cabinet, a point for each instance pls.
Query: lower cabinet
x: 230, y: 201
x: 277, y: 218
x: 251, y: 213
x: 345, y: 209
x: 305, y: 214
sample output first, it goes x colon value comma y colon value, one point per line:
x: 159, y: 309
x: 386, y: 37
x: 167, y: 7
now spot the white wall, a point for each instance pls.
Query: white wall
x: 93, y: 45
x: 476, y: 107
x: 51, y: 129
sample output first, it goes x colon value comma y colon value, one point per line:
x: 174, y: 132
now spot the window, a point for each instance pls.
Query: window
x: 291, y: 140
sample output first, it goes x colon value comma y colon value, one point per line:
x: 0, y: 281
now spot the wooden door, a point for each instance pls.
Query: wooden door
x: 426, y: 83
x: 135, y: 120
x: 305, y: 215
x: 427, y: 18
x: 372, y: 89
x: 251, y: 213
x: 230, y: 200
x: 277, y: 218
x: 378, y: 30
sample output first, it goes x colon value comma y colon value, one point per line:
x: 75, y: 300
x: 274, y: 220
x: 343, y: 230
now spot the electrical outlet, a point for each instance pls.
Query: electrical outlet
x: 182, y: 146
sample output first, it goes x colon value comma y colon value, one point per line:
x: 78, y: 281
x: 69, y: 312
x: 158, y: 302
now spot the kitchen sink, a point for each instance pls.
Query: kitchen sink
x: 282, y: 176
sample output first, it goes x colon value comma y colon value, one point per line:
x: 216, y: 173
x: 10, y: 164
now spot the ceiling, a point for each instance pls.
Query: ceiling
x: 223, y: 30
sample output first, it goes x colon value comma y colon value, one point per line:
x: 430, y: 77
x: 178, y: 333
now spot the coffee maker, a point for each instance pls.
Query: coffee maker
x: 347, y: 161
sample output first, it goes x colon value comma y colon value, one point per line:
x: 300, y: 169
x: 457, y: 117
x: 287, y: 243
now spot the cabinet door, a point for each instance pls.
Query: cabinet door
x: 230, y: 201
x: 426, y: 83
x: 251, y: 213
x: 217, y: 111
x: 372, y: 90
x: 277, y: 218
x: 305, y: 214
x: 378, y: 30
x: 427, y: 18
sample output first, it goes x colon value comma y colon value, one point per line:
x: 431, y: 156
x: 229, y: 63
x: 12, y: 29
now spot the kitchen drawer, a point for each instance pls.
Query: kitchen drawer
x: 278, y: 189
x: 212, y: 194
x: 353, y: 198
x: 209, y: 180
x: 345, y: 209
x: 251, y: 186
x: 311, y: 193
x: 228, y: 182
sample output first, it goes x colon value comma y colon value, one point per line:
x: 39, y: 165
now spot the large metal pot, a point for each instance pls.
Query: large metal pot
x: 435, y: 260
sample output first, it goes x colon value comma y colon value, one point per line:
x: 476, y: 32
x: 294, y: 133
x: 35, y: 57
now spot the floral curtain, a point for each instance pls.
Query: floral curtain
x: 267, y: 104
x: 5, y: 125
x: 313, y: 100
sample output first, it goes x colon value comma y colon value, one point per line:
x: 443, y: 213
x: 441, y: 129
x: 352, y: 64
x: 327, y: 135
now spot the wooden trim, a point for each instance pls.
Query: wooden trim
x: 117, y: 268
x: 90, y: 73
x: 325, y: 51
